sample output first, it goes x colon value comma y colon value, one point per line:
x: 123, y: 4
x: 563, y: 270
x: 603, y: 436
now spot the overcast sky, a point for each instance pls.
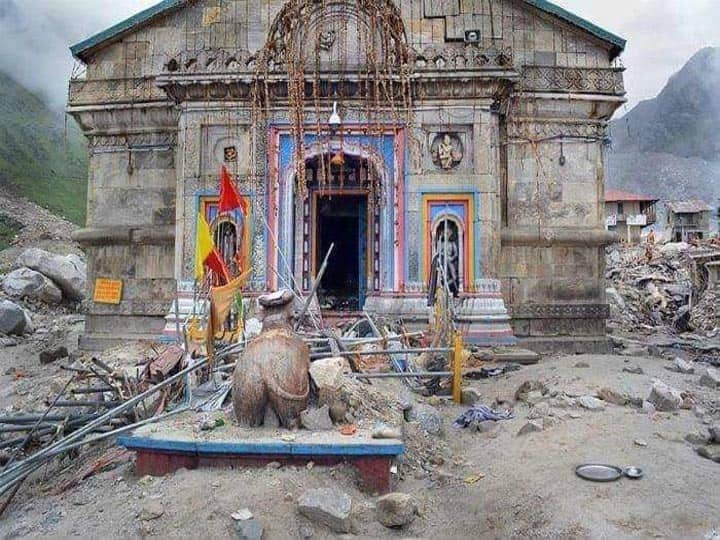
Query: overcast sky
x: 661, y: 34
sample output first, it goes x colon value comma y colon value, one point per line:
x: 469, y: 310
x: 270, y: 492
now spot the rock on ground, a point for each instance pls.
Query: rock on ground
x: 710, y: 378
x: 591, y: 403
x: 533, y: 426
x: 612, y: 396
x: 69, y: 273
x: 316, y: 419
x: 665, y: 398
x: 710, y: 452
x: 250, y: 529
x: 328, y: 507
x: 683, y: 366
x: 26, y: 283
x: 328, y: 374
x: 396, y: 509
x: 51, y: 355
x: 13, y: 319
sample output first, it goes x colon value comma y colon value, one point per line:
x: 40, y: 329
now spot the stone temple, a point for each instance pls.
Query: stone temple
x: 398, y: 130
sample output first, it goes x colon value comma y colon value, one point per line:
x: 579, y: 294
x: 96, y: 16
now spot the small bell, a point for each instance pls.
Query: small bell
x: 335, y: 121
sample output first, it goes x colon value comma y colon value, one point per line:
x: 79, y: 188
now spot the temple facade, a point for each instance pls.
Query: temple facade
x: 411, y: 135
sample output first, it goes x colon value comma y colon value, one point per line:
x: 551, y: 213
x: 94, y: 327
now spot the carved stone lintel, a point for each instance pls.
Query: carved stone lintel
x: 539, y: 128
x: 560, y: 311
x: 573, y: 79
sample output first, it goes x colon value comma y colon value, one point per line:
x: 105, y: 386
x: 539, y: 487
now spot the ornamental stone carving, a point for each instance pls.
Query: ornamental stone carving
x: 580, y: 80
x: 446, y: 150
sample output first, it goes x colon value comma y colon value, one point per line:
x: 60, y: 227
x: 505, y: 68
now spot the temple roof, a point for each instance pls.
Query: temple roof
x: 84, y: 48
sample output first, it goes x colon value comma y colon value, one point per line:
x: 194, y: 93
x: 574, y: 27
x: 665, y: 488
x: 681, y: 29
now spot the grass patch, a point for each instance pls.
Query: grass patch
x: 9, y: 227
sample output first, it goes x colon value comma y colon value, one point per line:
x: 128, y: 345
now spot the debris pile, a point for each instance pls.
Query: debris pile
x: 664, y: 288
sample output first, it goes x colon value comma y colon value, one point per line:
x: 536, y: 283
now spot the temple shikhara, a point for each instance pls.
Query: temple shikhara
x: 410, y: 135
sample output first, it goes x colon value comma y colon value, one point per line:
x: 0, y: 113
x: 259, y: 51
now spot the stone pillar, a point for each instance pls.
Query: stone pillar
x: 130, y: 219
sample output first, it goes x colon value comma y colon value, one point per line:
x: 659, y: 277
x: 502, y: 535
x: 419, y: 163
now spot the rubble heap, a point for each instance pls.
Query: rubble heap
x: 662, y: 287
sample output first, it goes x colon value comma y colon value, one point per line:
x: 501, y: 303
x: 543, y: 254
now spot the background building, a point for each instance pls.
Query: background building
x: 628, y: 214
x: 688, y: 220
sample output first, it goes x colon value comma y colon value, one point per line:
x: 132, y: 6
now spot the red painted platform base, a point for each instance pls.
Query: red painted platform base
x: 373, y: 471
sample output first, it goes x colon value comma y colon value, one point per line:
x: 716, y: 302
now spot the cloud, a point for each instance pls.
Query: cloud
x: 662, y: 35
x: 35, y: 36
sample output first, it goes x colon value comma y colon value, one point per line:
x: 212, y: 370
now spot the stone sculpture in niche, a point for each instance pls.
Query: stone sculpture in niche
x: 327, y: 39
x: 447, y: 151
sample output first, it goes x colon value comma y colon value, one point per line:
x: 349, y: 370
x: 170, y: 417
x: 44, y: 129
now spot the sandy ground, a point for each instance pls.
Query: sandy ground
x: 528, y: 488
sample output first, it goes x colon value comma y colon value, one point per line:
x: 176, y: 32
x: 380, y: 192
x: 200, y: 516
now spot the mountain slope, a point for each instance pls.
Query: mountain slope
x: 40, y: 157
x: 669, y: 146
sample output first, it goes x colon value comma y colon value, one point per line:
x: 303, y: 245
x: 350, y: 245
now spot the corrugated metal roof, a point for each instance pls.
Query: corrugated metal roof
x: 618, y: 195
x: 688, y: 207
x: 81, y: 50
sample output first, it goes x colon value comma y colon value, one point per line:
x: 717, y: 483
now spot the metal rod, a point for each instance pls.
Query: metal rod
x: 402, y: 375
x: 13, y: 474
x: 316, y: 284
x: 384, y: 351
x: 29, y: 418
x: 86, y: 403
x: 92, y: 390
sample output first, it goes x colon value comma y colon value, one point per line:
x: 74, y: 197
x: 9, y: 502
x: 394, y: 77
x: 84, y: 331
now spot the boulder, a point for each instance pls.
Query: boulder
x: 612, y: 396
x: 328, y: 507
x: 682, y: 366
x: 68, y: 273
x: 665, y: 398
x: 710, y: 378
x: 13, y: 319
x: 714, y: 433
x: 591, y: 403
x: 533, y: 426
x: 51, y: 355
x: 396, y: 509
x: 250, y: 529
x: 710, y: 452
x: 327, y: 374
x: 316, y: 419
x: 26, y: 283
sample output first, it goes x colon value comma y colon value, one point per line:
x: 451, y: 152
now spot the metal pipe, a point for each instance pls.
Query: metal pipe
x: 92, y: 390
x: 19, y: 471
x: 402, y: 375
x: 316, y: 284
x: 30, y: 418
x: 86, y: 403
x: 383, y: 351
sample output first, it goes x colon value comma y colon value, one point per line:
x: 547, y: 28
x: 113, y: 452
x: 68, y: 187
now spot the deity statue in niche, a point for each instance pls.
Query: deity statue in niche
x: 447, y: 255
x: 447, y: 151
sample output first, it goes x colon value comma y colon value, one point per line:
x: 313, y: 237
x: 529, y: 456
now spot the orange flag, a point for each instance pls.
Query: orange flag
x: 230, y: 197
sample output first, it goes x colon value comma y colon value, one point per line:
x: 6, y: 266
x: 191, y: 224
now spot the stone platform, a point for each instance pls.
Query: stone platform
x: 165, y: 447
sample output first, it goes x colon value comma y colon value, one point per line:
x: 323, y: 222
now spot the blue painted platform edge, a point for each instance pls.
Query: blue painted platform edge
x: 260, y: 448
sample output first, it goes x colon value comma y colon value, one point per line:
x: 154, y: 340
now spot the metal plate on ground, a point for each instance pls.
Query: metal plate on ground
x: 598, y: 473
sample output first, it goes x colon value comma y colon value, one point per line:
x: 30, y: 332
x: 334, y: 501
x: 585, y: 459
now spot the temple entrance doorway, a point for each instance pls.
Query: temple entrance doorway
x: 341, y: 221
x: 341, y: 210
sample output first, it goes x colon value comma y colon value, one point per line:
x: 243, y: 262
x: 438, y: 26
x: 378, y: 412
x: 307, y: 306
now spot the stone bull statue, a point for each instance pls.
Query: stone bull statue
x: 273, y: 370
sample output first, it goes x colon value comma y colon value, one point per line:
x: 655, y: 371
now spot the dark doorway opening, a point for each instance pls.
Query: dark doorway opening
x: 341, y: 220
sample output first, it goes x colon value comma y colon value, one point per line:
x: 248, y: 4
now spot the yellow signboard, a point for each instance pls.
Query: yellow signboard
x: 108, y: 291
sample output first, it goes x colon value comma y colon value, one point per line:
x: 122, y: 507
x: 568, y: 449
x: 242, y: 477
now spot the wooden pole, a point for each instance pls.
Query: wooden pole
x: 457, y: 368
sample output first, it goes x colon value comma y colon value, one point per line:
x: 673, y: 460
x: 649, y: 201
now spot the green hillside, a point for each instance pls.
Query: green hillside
x: 40, y: 157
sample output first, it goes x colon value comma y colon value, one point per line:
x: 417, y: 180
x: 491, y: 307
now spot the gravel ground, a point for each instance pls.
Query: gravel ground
x: 527, y: 487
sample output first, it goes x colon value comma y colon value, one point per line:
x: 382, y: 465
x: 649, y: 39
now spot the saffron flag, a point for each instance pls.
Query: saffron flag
x: 205, y: 252
x: 230, y: 198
